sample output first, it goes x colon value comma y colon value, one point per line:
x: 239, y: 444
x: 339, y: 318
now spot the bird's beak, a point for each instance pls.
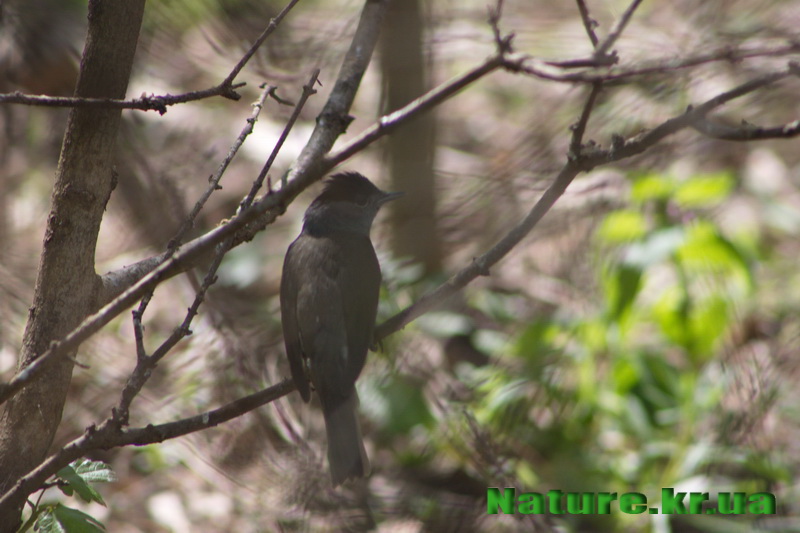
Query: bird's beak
x: 389, y: 196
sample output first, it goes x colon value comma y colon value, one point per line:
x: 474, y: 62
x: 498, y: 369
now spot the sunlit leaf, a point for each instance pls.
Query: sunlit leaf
x: 704, y: 190
x: 651, y: 187
x: 622, y: 226
x: 80, y: 474
x: 622, y: 284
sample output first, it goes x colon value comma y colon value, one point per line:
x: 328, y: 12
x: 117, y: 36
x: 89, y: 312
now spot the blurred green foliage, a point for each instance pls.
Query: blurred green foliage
x: 625, y: 398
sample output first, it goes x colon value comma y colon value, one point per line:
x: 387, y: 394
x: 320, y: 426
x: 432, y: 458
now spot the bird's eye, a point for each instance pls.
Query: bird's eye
x: 361, y: 201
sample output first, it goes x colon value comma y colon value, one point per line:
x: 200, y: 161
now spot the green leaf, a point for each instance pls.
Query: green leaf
x: 403, y: 405
x: 539, y: 338
x: 79, y: 474
x: 62, y: 519
x: 704, y: 190
x: 709, y: 321
x: 622, y: 286
x: 670, y: 313
x: 75, y: 521
x: 624, y: 225
x: 651, y: 187
x: 706, y: 250
x: 94, y: 471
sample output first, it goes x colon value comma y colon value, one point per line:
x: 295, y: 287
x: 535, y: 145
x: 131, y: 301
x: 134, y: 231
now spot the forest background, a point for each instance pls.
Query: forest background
x: 613, y: 186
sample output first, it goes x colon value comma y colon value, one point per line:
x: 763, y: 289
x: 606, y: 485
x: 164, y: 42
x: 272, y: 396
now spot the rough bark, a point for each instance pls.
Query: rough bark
x: 67, y: 285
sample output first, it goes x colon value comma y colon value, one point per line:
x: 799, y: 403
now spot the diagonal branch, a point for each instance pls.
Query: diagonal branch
x: 109, y: 435
x: 589, y: 23
x: 746, y: 131
x: 226, y: 89
x: 309, y: 168
x: 585, y: 161
x: 602, y: 49
x: 388, y: 123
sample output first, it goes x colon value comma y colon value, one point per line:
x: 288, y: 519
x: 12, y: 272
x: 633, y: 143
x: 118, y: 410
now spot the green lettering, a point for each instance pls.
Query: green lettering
x: 761, y: 503
x: 494, y: 500
x: 696, y: 500
x: 633, y: 503
x: 725, y: 506
x: 531, y: 503
x: 604, y: 500
x: 672, y: 503
x: 554, y: 497
x: 580, y: 502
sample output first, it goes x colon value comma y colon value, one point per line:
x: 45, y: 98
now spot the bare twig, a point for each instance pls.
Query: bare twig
x: 110, y: 435
x: 746, y: 131
x: 601, y: 51
x: 587, y: 160
x: 588, y: 22
x: 214, y: 179
x: 334, y: 118
x: 271, y: 27
x: 531, y: 66
x: 226, y: 89
x: 579, y: 128
x: 143, y: 103
x: 601, y: 57
x: 429, y: 100
x: 145, y: 364
x: 308, y: 90
x: 503, y: 43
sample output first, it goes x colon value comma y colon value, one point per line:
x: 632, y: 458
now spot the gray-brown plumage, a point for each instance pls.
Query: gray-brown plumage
x: 329, y: 299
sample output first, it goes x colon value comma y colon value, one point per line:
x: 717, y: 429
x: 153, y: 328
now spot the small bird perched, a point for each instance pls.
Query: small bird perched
x: 329, y: 300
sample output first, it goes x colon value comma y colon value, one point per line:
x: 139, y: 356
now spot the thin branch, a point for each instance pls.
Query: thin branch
x: 579, y: 128
x: 747, y: 131
x: 502, y: 43
x: 334, y: 118
x: 308, y: 90
x: 109, y: 435
x: 309, y: 168
x: 588, y: 22
x: 587, y: 160
x: 213, y: 180
x: 271, y: 27
x: 530, y: 66
x: 602, y: 49
x: 145, y: 364
x: 143, y: 103
x: 388, y: 123
x: 226, y: 89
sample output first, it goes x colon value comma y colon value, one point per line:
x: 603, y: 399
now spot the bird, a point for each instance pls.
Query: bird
x: 329, y: 300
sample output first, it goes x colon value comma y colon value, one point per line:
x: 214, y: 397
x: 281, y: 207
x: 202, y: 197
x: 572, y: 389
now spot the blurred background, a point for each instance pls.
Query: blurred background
x: 644, y: 336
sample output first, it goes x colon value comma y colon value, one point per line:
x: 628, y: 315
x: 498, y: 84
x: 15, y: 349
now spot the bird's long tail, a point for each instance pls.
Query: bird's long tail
x: 346, y: 454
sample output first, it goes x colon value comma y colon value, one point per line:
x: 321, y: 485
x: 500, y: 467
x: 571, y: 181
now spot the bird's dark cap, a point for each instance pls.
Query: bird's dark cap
x: 351, y: 187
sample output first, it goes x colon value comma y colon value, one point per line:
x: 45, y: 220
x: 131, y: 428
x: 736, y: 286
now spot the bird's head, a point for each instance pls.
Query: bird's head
x: 349, y: 202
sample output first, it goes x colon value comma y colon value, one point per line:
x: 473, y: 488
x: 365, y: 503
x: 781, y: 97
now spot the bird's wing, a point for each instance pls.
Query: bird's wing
x: 329, y: 298
x: 360, y: 274
x: 313, y: 265
x: 291, y: 282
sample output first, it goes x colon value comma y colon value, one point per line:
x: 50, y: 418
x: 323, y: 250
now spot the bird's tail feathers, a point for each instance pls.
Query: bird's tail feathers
x: 346, y: 454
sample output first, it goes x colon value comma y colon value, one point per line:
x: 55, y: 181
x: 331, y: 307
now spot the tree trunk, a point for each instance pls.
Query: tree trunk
x: 410, y: 150
x: 67, y: 285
